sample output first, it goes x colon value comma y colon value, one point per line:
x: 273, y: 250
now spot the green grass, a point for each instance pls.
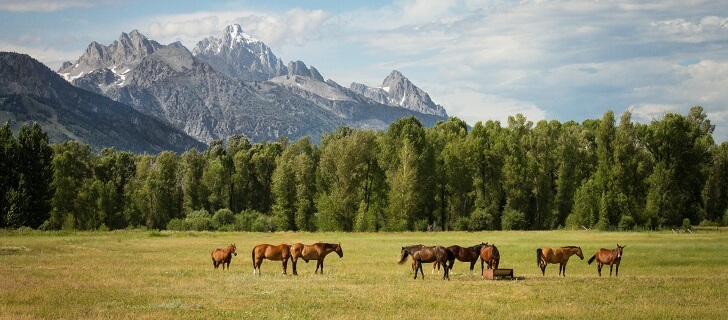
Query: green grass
x: 165, y: 275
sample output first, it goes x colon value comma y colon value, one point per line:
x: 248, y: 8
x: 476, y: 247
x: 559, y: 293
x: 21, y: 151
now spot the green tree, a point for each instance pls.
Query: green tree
x: 715, y: 192
x: 294, y: 188
x: 34, y: 191
x: 680, y: 147
x: 517, y: 176
x: 487, y: 142
x: 345, y: 181
x: 8, y: 171
x: 73, y: 166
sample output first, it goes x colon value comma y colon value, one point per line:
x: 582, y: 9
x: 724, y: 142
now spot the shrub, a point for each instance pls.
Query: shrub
x: 480, y: 219
x: 420, y: 225
x: 461, y: 224
x: 686, y: 224
x: 626, y: 223
x: 223, y: 217
x: 202, y: 213
x: 513, y: 220
x: 263, y: 223
x: 178, y: 225
x: 201, y: 224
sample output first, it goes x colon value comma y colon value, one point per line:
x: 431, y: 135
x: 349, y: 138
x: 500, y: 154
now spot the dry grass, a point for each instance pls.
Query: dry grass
x: 134, y: 274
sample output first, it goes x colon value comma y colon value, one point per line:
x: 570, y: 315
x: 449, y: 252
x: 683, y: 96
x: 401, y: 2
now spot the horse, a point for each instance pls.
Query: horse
x: 464, y: 254
x: 317, y: 251
x: 274, y: 253
x: 489, y: 254
x: 544, y: 256
x: 610, y: 257
x: 426, y: 254
x: 223, y: 256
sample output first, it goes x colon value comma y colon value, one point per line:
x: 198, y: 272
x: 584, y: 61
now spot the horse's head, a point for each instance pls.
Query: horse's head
x: 338, y: 250
x: 403, y: 255
x: 234, y: 249
x: 579, y: 253
x: 619, y: 250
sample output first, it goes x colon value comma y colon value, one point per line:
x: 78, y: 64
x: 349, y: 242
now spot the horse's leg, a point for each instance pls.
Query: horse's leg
x: 447, y: 272
x: 542, y: 265
x: 616, y: 272
x: 285, y: 265
x: 435, y: 264
x: 322, y: 265
x: 610, y: 269
x: 599, y: 267
x: 472, y: 266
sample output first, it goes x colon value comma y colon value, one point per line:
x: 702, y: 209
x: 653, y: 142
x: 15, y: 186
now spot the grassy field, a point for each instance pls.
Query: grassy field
x: 136, y: 274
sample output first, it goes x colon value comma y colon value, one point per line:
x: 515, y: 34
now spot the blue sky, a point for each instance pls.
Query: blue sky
x: 482, y: 60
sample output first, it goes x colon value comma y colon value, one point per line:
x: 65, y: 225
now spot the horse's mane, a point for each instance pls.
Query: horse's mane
x: 329, y: 245
x: 570, y: 247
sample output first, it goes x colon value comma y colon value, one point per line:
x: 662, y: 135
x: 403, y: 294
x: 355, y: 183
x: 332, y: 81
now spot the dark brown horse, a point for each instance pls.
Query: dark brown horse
x: 317, y: 251
x: 544, y: 256
x: 223, y: 256
x: 275, y: 253
x: 426, y: 254
x: 464, y: 254
x: 610, y: 257
x: 489, y: 254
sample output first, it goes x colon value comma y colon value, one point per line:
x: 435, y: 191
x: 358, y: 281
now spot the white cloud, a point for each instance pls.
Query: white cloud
x: 53, y: 58
x: 48, y: 5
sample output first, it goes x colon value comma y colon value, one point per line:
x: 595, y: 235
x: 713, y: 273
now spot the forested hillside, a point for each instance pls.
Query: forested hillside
x: 603, y: 173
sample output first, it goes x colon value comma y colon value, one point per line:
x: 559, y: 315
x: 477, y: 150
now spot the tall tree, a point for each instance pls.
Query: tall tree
x: 73, y: 166
x: 293, y: 187
x: 8, y: 170
x: 680, y: 148
x: 517, y: 176
x: 487, y: 142
x: 34, y: 156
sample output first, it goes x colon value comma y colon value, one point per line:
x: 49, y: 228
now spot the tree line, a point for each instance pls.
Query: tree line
x: 601, y: 173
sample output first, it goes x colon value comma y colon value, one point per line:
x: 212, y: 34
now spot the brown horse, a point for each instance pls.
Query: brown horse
x: 464, y: 254
x: 489, y: 254
x: 426, y: 254
x: 317, y: 251
x: 560, y: 255
x: 610, y: 257
x: 275, y: 253
x: 223, y: 256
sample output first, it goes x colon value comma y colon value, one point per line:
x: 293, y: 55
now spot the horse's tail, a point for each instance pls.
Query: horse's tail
x: 252, y: 257
x: 592, y: 259
x: 538, y: 257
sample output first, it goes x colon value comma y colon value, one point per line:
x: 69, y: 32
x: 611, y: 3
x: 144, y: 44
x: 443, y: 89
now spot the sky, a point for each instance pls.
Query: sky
x: 481, y: 60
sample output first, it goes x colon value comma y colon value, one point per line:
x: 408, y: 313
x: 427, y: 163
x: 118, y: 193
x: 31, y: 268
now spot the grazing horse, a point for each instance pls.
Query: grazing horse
x: 317, y: 251
x: 223, y: 256
x: 561, y: 256
x: 270, y: 252
x: 489, y: 254
x: 426, y: 254
x: 464, y: 254
x: 610, y: 257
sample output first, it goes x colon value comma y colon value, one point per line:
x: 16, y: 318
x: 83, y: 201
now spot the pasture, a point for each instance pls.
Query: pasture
x: 166, y: 275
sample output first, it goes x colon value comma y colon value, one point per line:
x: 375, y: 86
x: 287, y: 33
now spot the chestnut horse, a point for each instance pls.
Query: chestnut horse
x: 223, y: 256
x: 426, y: 254
x: 610, y: 257
x: 489, y: 254
x: 464, y: 254
x: 560, y: 255
x: 317, y: 251
x: 275, y: 253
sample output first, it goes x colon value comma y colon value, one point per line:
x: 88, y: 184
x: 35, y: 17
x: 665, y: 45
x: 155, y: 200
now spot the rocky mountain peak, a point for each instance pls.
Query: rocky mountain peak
x: 298, y: 68
x: 398, y: 91
x: 239, y: 55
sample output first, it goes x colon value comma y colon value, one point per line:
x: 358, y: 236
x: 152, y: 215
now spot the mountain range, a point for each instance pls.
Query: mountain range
x: 235, y: 85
